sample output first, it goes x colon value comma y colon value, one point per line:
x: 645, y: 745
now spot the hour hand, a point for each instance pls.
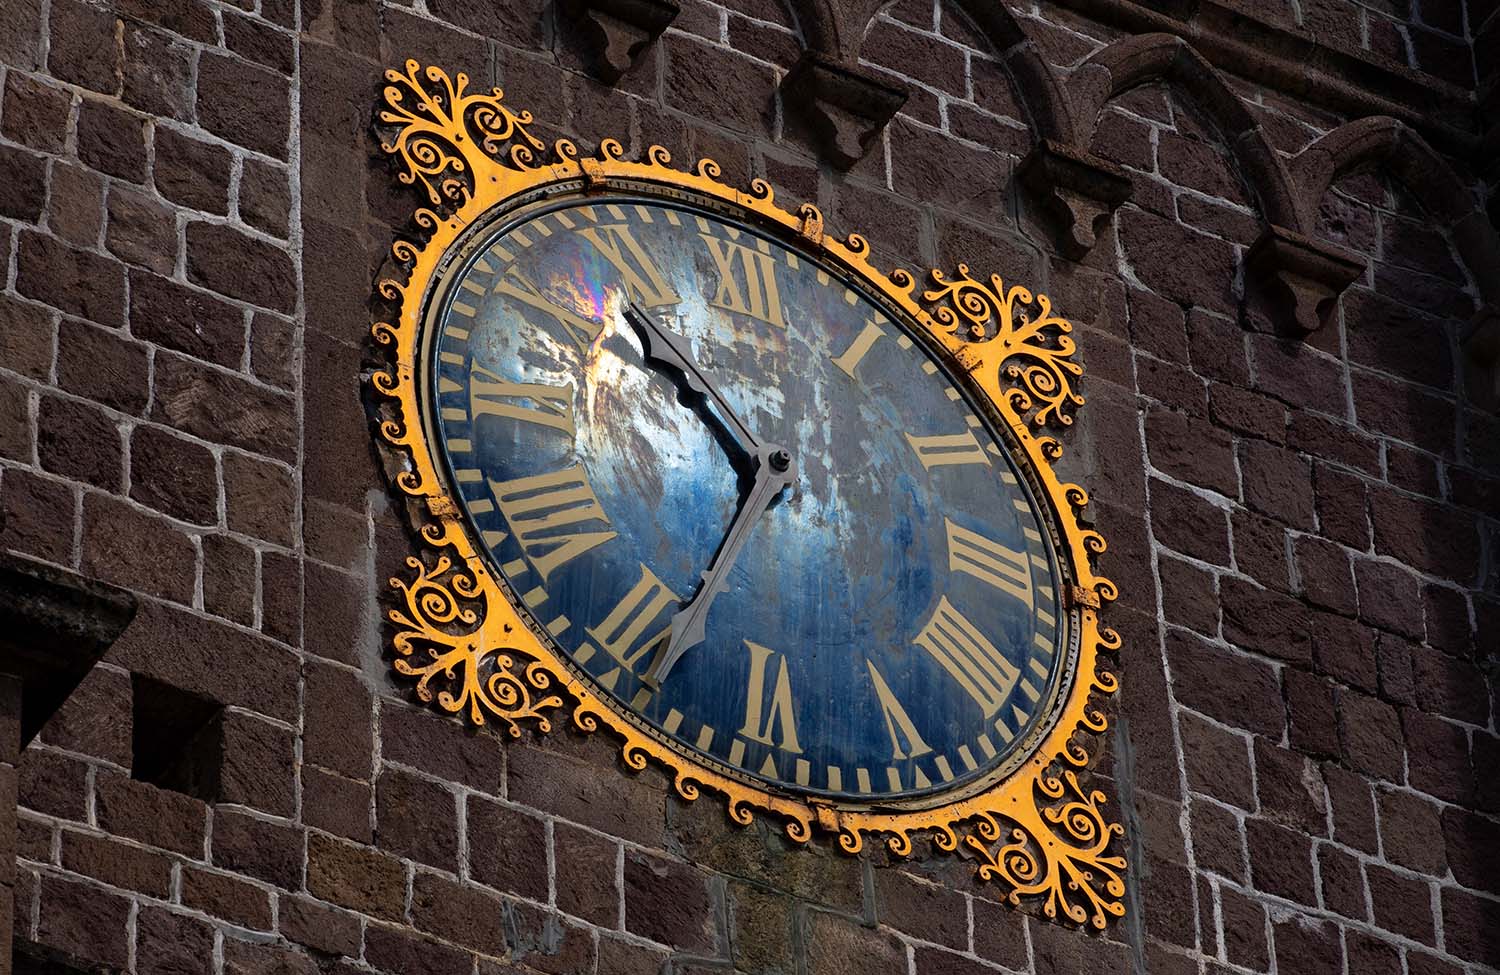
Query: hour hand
x: 665, y: 346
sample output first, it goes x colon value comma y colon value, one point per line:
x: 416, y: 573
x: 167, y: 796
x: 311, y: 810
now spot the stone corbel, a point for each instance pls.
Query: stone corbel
x: 617, y: 31
x: 1304, y: 276
x: 846, y: 107
x: 1077, y: 190
x: 1481, y: 346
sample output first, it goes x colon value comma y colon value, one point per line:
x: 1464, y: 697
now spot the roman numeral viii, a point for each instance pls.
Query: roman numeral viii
x: 906, y: 741
x: 968, y: 656
x: 546, y: 511
x: 622, y: 633
x: 550, y: 406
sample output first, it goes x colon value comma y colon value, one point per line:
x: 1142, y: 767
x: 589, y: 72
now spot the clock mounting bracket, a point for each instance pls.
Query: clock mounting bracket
x: 1040, y: 831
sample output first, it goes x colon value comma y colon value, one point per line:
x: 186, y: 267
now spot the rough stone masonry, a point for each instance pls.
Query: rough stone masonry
x: 1304, y: 525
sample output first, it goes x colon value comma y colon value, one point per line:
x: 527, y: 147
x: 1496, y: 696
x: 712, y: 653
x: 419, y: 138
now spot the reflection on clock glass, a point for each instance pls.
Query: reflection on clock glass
x: 887, y: 623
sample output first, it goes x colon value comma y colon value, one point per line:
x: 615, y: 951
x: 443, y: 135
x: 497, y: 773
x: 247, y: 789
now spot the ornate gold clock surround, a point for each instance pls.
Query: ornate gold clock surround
x: 1038, y: 832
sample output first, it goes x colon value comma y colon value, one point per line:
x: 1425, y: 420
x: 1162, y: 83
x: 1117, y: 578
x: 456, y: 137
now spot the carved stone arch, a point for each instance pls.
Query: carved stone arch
x: 1040, y: 91
x: 1144, y: 58
x: 1302, y: 276
x: 822, y: 23
x: 1392, y: 145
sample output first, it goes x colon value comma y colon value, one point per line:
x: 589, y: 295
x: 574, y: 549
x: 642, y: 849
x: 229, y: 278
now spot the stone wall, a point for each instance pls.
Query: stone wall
x: 192, y: 212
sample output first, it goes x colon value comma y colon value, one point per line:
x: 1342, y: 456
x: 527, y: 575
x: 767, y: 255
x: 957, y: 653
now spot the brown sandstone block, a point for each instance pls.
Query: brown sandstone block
x: 257, y: 847
x: 464, y: 915
x: 35, y: 113
x: 23, y: 184
x: 191, y: 172
x: 247, y: 268
x: 416, y: 819
x: 228, y: 579
x: 132, y: 548
x: 39, y: 515
x: 671, y: 903
x: 169, y: 942
x: 244, y: 103
x: 89, y: 920
x: 355, y: 877
x: 83, y: 49
x: 112, y: 140
x: 75, y: 282
x: 173, y: 475
x: 227, y: 897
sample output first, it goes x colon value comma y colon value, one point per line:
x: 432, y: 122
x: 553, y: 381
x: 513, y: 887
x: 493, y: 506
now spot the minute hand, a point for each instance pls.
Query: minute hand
x: 665, y: 346
x: 774, y: 470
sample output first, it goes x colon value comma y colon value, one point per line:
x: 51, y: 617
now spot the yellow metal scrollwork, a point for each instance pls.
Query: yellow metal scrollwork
x: 1038, y: 831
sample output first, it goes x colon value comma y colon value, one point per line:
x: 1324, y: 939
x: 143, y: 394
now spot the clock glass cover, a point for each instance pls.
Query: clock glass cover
x: 745, y: 500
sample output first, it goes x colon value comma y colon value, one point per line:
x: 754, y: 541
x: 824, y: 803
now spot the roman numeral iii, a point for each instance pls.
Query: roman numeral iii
x: 968, y: 656
x: 747, y: 281
x: 960, y: 448
x: 545, y: 512
x: 990, y: 562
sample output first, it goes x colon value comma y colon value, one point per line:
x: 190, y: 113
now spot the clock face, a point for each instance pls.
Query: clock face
x: 881, y: 622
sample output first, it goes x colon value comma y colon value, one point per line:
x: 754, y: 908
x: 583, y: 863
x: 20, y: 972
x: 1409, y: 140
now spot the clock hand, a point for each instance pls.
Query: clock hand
x: 667, y: 347
x: 774, y: 470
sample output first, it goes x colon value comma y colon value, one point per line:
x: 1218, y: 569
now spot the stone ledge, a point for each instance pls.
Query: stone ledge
x: 1078, y: 190
x: 846, y: 107
x: 617, y: 31
x: 1481, y: 345
x: 1305, y: 275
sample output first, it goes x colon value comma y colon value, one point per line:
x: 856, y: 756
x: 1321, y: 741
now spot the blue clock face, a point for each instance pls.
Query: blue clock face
x: 757, y: 515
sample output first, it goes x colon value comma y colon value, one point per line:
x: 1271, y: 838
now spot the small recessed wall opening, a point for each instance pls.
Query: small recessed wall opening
x: 177, y: 738
x: 30, y: 958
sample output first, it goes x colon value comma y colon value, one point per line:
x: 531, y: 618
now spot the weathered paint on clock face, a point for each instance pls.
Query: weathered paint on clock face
x: 892, y: 626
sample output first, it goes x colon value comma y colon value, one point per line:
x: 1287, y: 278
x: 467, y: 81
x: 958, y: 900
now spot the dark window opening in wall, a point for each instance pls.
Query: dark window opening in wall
x: 30, y: 958
x: 177, y: 741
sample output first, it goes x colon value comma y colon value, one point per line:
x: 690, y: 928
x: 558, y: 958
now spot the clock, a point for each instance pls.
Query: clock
x: 687, y: 470
x: 743, y: 498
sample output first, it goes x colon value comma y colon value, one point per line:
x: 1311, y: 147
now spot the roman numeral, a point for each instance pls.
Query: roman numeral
x: 490, y: 395
x: 621, y: 632
x: 989, y: 562
x: 849, y: 361
x: 906, y: 742
x: 640, y: 276
x: 769, y: 720
x: 968, y: 656
x: 747, y: 281
x: 960, y: 448
x: 544, y: 512
x: 582, y: 331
